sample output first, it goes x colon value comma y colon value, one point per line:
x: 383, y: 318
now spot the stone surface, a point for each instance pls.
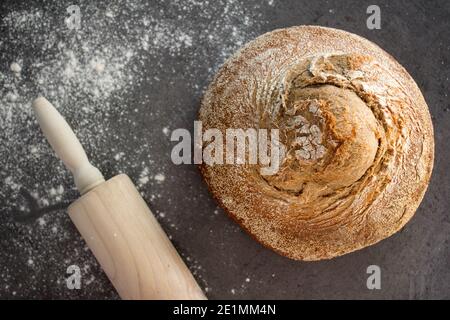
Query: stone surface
x: 415, y: 263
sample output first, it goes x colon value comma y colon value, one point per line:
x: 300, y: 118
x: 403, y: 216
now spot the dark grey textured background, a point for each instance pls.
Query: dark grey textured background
x: 415, y: 262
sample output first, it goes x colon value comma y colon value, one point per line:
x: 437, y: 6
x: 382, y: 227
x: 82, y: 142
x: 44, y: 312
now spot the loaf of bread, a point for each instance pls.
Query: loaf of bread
x: 358, y: 137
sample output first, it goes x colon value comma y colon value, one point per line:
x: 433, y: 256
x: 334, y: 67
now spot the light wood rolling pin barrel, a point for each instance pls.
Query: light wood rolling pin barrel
x: 117, y: 224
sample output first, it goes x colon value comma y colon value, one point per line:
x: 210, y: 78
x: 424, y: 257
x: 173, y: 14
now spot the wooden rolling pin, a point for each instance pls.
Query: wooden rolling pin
x: 117, y: 224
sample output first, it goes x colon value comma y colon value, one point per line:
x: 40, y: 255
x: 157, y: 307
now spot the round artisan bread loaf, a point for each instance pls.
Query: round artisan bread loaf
x: 357, y: 136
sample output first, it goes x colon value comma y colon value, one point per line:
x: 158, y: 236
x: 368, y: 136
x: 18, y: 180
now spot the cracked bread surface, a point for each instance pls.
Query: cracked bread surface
x: 358, y: 137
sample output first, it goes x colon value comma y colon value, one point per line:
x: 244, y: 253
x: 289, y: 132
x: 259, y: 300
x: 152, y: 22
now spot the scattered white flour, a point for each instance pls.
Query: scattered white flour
x: 99, y: 67
x: 42, y: 222
x: 159, y: 177
x: 144, y: 177
x: 106, y: 79
x: 119, y: 156
x: 56, y: 191
x: 15, y: 67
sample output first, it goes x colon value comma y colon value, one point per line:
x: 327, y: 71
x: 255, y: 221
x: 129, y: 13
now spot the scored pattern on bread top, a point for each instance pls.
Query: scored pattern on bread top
x: 358, y: 137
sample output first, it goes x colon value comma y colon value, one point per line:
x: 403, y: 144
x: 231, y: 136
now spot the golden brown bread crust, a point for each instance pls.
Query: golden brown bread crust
x: 358, y: 134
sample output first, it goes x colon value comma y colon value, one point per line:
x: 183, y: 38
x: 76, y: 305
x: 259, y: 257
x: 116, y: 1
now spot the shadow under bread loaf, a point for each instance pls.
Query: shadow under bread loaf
x: 358, y: 138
